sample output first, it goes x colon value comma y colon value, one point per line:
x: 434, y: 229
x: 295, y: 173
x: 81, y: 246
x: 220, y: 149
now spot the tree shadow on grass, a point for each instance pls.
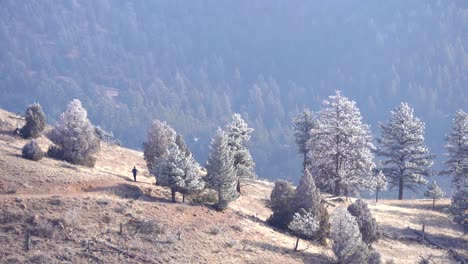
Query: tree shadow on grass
x: 439, y: 207
x: 306, y: 257
x: 128, y: 191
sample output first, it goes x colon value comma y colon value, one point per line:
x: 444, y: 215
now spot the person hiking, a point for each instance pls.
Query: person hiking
x: 134, y: 171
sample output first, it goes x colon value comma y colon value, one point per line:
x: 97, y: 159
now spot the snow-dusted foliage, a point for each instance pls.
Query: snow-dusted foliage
x: 35, y: 121
x: 221, y: 174
x: 304, y: 225
x: 281, y: 203
x: 406, y: 159
x: 75, y: 137
x: 302, y: 124
x: 160, y: 137
x: 457, y: 151
x: 182, y: 145
x: 239, y: 134
x: 178, y: 172
x: 347, y: 240
x: 378, y: 183
x: 340, y: 148
x: 367, y: 224
x: 32, y: 151
x: 459, y: 207
x: 434, y: 192
x: 307, y: 199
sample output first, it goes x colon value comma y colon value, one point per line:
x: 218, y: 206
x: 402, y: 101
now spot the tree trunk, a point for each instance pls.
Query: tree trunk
x: 183, y: 198
x: 297, y: 244
x: 377, y: 195
x: 173, y: 193
x: 433, y: 204
x: 400, y: 188
x: 304, y: 162
x: 238, y: 186
x: 337, y: 191
x: 422, y: 233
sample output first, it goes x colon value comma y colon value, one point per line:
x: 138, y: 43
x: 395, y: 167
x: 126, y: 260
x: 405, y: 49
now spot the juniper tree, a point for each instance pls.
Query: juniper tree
x: 35, y: 121
x: 160, y: 137
x: 221, y: 173
x: 239, y: 134
x: 456, y: 147
x: 302, y: 125
x: 434, y: 192
x: 340, y: 148
x: 347, y: 240
x: 75, y: 137
x: 303, y: 226
x: 32, y: 151
x: 406, y: 159
x: 367, y: 224
x: 307, y: 198
x: 178, y: 172
x: 281, y: 203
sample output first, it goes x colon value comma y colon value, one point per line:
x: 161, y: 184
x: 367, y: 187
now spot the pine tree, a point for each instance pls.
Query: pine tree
x: 302, y: 125
x: 221, y: 173
x: 307, y: 199
x: 35, y: 121
x: 434, y: 192
x: 182, y: 145
x: 75, y: 137
x: 457, y: 151
x: 367, y: 224
x: 459, y: 207
x: 239, y: 134
x: 281, y: 203
x: 178, y: 172
x: 341, y: 147
x: 304, y: 225
x: 378, y: 183
x: 406, y: 159
x: 160, y: 137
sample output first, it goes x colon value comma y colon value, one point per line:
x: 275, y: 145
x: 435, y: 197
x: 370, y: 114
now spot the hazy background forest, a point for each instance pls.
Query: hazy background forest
x: 194, y: 63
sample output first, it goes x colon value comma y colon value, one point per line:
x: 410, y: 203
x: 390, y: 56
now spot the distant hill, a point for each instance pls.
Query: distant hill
x: 194, y: 63
x: 55, y: 212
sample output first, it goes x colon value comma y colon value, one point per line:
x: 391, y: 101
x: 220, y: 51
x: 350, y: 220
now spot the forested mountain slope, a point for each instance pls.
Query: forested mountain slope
x: 194, y: 63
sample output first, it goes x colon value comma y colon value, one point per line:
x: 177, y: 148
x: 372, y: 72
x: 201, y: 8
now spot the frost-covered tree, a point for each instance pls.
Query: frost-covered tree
x: 75, y: 137
x: 307, y: 198
x: 182, y: 145
x: 304, y: 226
x: 434, y: 192
x: 35, y: 121
x: 456, y: 162
x: 340, y: 148
x: 459, y: 207
x: 406, y: 159
x: 221, y: 173
x: 160, y: 137
x: 239, y: 134
x: 32, y: 151
x: 302, y: 124
x: 378, y: 183
x: 178, y: 172
x: 347, y: 240
x: 367, y: 224
x: 281, y: 203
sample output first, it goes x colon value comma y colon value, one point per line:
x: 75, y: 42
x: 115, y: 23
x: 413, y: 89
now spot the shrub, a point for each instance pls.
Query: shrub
x: 367, y: 224
x: 281, y: 204
x: 32, y: 151
x: 75, y: 137
x: 35, y: 121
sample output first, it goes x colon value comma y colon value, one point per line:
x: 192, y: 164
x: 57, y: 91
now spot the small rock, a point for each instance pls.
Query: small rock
x: 22, y: 206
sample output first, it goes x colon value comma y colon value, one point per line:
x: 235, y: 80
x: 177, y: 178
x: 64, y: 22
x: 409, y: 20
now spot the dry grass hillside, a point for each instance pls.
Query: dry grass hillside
x: 55, y: 212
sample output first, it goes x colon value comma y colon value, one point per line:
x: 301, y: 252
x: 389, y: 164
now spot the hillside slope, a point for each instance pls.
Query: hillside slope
x: 55, y: 212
